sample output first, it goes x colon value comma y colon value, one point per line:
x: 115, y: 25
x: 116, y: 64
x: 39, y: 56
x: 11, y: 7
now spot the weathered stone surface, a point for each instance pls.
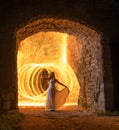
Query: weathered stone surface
x: 92, y: 60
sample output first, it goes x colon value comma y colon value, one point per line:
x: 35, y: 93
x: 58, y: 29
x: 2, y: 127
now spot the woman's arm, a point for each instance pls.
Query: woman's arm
x: 45, y: 78
x: 61, y: 83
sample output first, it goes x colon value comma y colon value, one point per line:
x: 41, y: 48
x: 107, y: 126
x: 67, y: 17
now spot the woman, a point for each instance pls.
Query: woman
x: 55, y: 98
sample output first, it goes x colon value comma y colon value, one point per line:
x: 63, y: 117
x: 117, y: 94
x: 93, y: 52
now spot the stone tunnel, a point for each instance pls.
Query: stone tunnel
x: 31, y: 30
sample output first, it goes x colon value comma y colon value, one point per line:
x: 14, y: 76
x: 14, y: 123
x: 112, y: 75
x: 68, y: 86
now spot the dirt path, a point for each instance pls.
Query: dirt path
x: 38, y: 119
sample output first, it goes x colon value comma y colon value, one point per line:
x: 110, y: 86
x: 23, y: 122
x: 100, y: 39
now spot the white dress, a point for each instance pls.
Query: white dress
x: 55, y: 98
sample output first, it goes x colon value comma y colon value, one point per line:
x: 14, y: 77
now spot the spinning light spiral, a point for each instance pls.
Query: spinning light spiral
x: 44, y: 51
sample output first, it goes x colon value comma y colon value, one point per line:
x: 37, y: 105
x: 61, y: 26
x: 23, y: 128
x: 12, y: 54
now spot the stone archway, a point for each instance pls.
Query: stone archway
x: 85, y: 56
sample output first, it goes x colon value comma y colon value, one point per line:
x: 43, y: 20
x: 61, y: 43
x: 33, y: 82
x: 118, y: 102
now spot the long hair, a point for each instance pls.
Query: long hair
x: 52, y: 74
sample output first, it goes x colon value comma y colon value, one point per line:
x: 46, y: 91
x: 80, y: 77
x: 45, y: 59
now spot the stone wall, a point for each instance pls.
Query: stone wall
x: 85, y: 57
x: 108, y: 78
x: 87, y: 62
x: 91, y: 74
x: 101, y: 16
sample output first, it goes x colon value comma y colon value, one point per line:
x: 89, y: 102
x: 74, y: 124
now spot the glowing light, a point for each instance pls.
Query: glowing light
x: 44, y: 52
x: 64, y: 50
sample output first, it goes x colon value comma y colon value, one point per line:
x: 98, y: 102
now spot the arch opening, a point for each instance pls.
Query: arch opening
x: 69, y: 49
x: 44, y: 52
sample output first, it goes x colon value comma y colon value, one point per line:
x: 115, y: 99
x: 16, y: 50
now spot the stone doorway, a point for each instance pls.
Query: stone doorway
x: 84, y: 55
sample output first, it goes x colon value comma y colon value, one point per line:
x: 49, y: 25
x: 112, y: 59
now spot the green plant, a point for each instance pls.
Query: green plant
x: 106, y: 113
x: 10, y: 120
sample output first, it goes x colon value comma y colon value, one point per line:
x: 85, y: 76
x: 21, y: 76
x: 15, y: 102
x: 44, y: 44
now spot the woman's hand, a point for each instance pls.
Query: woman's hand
x: 65, y: 86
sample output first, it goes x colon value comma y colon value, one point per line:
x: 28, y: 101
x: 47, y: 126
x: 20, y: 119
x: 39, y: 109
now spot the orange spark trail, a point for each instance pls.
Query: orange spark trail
x: 44, y: 51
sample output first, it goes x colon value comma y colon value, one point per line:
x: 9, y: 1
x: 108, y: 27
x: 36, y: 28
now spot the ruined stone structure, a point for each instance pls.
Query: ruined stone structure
x: 94, y: 57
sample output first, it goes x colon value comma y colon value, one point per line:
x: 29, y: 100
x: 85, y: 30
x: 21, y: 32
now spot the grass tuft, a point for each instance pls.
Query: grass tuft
x: 106, y: 113
x: 10, y: 120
